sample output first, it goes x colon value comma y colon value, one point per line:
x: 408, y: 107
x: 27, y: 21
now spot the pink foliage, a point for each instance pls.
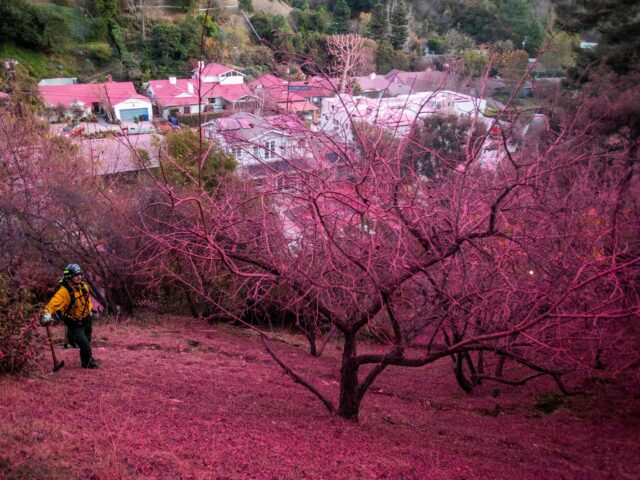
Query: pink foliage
x: 534, y: 261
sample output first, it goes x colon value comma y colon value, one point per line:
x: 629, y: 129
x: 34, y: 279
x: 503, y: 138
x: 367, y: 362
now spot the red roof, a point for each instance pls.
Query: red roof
x: 313, y: 87
x: 231, y: 93
x: 267, y: 81
x: 285, y: 96
x: 297, y: 106
x: 180, y: 93
x: 110, y: 93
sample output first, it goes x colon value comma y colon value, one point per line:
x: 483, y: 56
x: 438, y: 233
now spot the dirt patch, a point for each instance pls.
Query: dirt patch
x: 187, y: 400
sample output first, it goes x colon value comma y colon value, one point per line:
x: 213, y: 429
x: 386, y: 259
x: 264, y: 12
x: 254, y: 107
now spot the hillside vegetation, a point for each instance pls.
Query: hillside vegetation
x: 118, y: 37
x: 176, y: 398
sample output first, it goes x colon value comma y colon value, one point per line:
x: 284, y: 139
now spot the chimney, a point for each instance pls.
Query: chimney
x: 372, y: 75
x: 190, y: 88
x: 172, y: 80
x: 199, y: 69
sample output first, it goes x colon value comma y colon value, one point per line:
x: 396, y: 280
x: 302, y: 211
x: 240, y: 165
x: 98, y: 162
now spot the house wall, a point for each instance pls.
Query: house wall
x: 230, y: 80
x: 192, y: 109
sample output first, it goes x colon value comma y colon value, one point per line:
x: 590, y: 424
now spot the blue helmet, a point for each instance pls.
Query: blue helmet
x: 70, y: 271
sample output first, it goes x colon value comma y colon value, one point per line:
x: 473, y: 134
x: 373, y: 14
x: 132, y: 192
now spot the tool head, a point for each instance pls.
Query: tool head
x: 58, y: 366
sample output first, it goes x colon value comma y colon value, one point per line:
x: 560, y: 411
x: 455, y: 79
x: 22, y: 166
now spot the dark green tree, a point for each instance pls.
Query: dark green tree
x: 379, y: 24
x: 269, y: 26
x: 305, y: 21
x: 187, y: 5
x: 617, y: 26
x: 32, y: 26
x: 438, y: 144
x: 246, y: 5
x: 341, y: 16
x: 358, y: 6
x: 165, y: 44
x: 437, y: 45
x: 516, y: 23
x: 384, y: 57
x: 399, y: 26
x: 479, y: 22
x: 186, y: 150
x: 108, y: 9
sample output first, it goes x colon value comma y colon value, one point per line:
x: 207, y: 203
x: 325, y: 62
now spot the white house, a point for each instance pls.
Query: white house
x: 264, y: 146
x: 216, y: 73
x: 117, y: 100
x: 397, y: 115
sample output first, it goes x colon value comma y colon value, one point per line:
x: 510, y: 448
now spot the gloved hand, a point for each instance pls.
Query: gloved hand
x: 46, y: 319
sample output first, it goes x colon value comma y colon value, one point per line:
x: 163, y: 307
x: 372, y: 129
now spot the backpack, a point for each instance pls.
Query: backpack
x: 62, y: 316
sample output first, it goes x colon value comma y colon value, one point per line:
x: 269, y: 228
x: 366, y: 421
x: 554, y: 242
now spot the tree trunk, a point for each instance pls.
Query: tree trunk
x: 310, y: 332
x: 349, y: 406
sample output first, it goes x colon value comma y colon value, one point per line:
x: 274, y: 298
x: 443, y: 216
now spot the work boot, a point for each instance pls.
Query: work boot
x: 91, y: 365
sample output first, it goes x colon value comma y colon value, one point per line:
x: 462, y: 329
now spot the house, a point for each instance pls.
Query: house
x: 399, y: 82
x: 314, y: 89
x: 263, y: 146
x: 121, y: 158
x: 233, y: 97
x: 396, y: 115
x: 116, y: 100
x: 304, y: 98
x: 268, y: 81
x: 179, y: 95
x: 212, y: 88
x: 216, y: 73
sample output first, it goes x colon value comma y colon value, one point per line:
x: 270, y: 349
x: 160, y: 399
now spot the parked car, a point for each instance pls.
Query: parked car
x: 72, y: 130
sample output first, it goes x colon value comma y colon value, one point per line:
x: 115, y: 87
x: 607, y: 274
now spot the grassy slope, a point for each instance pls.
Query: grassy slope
x: 188, y: 400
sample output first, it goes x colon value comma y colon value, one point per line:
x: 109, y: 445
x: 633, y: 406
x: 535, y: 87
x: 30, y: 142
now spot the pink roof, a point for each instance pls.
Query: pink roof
x: 287, y: 123
x: 314, y: 87
x: 110, y: 93
x: 285, y: 96
x: 268, y: 81
x: 297, y: 106
x: 231, y: 93
x: 173, y: 94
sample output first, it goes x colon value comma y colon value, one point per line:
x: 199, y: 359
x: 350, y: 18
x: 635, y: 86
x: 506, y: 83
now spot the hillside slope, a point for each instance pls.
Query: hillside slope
x: 188, y: 400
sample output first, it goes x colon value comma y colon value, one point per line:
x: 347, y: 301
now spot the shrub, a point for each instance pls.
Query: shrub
x: 18, y: 328
x: 100, y: 52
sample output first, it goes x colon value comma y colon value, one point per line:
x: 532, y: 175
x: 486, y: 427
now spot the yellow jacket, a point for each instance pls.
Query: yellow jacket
x: 61, y: 301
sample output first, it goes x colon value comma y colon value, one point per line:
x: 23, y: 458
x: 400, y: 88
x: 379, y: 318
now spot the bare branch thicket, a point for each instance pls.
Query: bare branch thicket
x: 502, y: 268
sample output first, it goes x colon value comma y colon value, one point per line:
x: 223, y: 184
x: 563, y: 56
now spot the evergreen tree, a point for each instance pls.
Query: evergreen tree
x: 399, y: 29
x: 615, y: 22
x: 379, y: 23
x: 384, y: 58
x: 341, y: 17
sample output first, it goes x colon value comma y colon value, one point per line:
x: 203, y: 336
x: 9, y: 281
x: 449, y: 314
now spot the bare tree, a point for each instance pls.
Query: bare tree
x: 346, y: 53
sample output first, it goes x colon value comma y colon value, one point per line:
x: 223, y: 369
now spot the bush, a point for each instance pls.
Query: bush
x: 99, y: 52
x: 246, y: 5
x: 18, y: 328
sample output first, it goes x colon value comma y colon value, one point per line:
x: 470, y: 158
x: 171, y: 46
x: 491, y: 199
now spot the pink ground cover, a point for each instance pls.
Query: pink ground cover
x: 182, y: 399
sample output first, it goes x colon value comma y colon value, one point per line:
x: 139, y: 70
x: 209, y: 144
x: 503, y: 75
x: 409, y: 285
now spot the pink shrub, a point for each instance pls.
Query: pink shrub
x: 18, y: 328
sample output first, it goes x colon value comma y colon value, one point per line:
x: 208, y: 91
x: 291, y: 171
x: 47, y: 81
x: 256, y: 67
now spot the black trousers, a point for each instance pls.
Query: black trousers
x: 80, y: 334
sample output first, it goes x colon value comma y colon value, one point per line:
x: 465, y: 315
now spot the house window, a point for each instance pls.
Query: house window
x: 187, y: 110
x: 269, y: 149
x: 256, y: 151
x: 235, y: 151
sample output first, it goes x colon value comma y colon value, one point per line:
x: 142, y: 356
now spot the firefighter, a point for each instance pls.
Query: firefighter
x: 72, y: 304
